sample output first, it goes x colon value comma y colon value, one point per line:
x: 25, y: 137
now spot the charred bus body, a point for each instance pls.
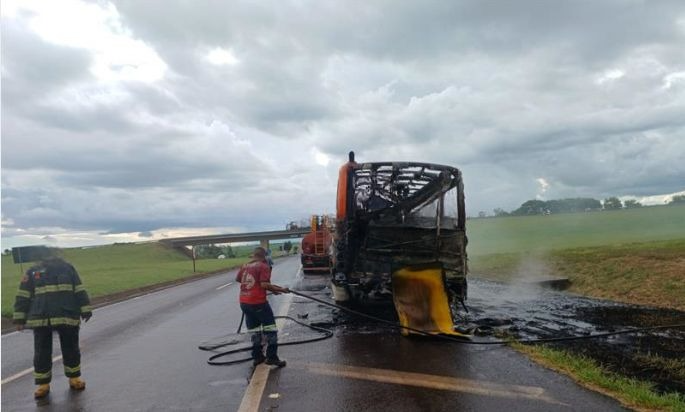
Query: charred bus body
x: 394, y: 218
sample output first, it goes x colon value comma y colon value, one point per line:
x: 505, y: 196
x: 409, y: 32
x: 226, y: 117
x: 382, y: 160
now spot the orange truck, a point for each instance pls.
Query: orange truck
x: 316, y: 247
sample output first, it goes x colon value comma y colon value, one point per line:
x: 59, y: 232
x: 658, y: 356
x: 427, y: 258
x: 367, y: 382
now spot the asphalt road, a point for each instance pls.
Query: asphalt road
x: 141, y: 355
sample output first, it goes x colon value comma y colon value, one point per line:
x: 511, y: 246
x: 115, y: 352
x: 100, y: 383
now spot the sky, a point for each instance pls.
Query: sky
x: 138, y: 120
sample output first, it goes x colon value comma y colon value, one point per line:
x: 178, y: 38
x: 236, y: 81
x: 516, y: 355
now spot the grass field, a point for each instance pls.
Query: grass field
x: 563, y: 231
x: 650, y: 273
x: 498, y: 248
x: 632, y: 393
x: 634, y: 256
x: 113, y: 268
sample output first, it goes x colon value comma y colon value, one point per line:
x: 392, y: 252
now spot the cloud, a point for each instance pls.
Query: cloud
x: 124, y: 119
x: 222, y: 57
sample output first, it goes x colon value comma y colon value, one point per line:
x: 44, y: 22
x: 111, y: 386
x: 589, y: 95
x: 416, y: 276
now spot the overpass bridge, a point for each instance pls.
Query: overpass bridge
x: 262, y: 237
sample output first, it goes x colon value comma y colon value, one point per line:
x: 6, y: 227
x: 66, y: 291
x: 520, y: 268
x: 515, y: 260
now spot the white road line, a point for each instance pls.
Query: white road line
x: 111, y: 305
x: 57, y: 358
x: 421, y: 380
x: 154, y: 292
x: 255, y: 390
x: 283, y: 310
x: 223, y: 286
x: 25, y: 372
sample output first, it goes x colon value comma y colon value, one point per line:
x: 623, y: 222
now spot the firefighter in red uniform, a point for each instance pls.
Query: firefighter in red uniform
x: 255, y: 280
x: 51, y: 299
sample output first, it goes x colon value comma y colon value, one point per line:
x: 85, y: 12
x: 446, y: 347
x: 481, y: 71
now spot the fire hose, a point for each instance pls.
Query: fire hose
x: 327, y: 333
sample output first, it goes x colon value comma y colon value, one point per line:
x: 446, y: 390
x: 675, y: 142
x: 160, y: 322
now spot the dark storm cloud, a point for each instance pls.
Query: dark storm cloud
x: 33, y: 68
x: 587, y: 96
x: 285, y: 48
x: 412, y: 30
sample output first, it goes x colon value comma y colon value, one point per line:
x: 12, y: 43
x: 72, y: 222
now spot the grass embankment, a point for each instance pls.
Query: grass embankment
x: 632, y: 393
x: 114, y: 268
x: 625, y: 255
x: 634, y: 256
x: 651, y: 273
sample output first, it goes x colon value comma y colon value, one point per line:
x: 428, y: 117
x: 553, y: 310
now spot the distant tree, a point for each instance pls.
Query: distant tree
x: 481, y: 214
x: 612, y: 203
x: 588, y: 204
x: 208, y: 251
x: 228, y: 251
x: 541, y: 207
x: 294, y: 249
x: 531, y: 207
x: 499, y: 212
x: 7, y: 252
x: 580, y: 204
x: 677, y: 200
x: 287, y: 246
x: 631, y: 204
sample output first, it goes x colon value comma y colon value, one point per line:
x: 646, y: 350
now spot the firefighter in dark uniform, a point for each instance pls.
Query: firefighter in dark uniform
x: 51, y: 299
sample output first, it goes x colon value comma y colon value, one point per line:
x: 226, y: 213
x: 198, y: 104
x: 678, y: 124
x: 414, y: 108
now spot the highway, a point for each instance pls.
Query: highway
x: 141, y: 355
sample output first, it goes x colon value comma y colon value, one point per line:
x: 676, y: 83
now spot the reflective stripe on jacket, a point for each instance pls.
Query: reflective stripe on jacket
x: 51, y: 294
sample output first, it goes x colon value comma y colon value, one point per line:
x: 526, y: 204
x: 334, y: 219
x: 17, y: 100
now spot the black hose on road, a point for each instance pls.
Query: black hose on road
x: 471, y: 342
x: 327, y: 333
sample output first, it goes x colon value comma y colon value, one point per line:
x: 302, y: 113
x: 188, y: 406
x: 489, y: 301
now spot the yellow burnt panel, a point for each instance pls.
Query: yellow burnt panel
x: 421, y: 301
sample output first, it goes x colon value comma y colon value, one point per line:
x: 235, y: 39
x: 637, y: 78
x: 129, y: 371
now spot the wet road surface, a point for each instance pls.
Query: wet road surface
x: 370, y: 367
x: 525, y: 311
x: 141, y: 355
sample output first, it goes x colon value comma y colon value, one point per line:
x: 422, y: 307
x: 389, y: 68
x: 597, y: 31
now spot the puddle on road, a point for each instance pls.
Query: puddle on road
x: 526, y: 311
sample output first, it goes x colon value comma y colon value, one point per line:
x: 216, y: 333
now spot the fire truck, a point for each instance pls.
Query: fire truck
x: 317, y: 247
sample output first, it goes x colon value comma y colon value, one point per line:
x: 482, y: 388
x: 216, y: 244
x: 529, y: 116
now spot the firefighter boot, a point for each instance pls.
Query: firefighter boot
x: 258, y: 360
x: 77, y: 384
x: 276, y: 362
x: 42, y: 391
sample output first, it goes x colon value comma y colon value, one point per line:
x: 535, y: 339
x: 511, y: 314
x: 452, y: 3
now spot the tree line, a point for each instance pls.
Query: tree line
x: 213, y: 251
x: 574, y: 205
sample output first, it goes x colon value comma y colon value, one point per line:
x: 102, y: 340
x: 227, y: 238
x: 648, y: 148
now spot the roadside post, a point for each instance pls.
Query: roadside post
x: 193, y: 258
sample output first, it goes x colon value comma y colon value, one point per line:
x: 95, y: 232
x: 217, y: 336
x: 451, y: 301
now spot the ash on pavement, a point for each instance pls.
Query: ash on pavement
x: 528, y: 312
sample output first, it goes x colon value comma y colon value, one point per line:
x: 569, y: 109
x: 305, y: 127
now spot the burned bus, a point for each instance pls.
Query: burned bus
x: 400, y: 234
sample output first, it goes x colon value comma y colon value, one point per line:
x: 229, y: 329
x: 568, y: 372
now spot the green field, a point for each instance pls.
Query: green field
x: 563, y: 231
x: 649, y: 273
x: 498, y: 248
x: 633, y: 256
x: 113, y: 268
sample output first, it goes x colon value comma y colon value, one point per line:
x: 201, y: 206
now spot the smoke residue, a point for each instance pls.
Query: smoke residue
x: 523, y: 285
